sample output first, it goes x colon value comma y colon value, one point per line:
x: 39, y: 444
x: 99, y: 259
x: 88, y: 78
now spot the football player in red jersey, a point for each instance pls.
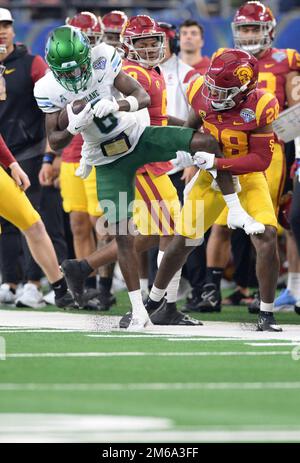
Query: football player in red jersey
x: 253, y: 31
x: 228, y: 105
x: 144, y: 45
x: 113, y: 22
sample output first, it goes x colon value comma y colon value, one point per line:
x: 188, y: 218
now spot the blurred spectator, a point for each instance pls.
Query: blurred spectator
x: 191, y: 36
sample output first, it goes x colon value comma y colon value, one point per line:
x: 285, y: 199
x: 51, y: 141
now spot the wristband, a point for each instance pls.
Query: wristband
x: 133, y: 103
x: 48, y: 158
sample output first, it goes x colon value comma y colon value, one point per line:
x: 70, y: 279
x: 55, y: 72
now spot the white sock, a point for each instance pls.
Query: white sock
x: 232, y: 201
x: 144, y: 284
x: 293, y: 284
x: 136, y: 303
x: 266, y: 307
x: 172, y: 288
x: 156, y: 294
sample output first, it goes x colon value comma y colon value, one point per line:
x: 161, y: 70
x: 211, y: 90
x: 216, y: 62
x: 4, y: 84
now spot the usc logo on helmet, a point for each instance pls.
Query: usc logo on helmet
x: 244, y: 74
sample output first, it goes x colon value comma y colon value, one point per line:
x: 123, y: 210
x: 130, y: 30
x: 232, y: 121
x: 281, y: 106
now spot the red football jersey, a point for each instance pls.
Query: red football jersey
x: 153, y: 82
x: 233, y: 128
x: 72, y: 152
x: 273, y: 67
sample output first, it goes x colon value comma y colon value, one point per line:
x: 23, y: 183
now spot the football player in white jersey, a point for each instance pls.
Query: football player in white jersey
x: 117, y: 140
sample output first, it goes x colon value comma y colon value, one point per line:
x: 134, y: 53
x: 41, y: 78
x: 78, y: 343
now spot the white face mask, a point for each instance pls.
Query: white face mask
x: 147, y: 56
x: 220, y: 98
x: 254, y: 42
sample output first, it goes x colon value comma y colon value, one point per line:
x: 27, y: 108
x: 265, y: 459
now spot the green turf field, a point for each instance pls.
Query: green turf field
x: 59, y: 383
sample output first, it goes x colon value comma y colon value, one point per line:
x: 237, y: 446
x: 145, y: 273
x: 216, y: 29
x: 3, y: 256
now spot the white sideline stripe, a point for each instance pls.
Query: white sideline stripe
x: 38, y: 331
x: 148, y: 386
x: 34, y: 319
x: 169, y: 337
x: 271, y: 344
x: 145, y: 354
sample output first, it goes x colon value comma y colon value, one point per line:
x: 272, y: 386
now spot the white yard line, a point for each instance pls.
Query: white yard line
x: 61, y: 387
x: 145, y: 354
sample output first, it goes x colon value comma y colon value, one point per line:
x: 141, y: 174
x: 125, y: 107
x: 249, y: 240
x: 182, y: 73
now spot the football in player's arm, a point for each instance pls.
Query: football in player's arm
x: 139, y: 99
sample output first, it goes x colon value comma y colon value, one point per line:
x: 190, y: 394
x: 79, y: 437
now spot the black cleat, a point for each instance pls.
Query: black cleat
x: 168, y: 314
x: 75, y: 280
x: 125, y: 320
x: 254, y: 307
x: 102, y: 301
x: 151, y: 306
x: 66, y: 301
x: 209, y: 300
x: 266, y: 322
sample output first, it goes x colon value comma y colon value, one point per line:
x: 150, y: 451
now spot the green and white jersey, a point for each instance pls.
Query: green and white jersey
x: 106, y: 65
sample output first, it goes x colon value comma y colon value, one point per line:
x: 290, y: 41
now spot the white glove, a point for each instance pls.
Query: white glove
x: 203, y: 160
x: 236, y: 184
x: 104, y: 107
x: 84, y: 169
x: 183, y: 159
x: 79, y: 122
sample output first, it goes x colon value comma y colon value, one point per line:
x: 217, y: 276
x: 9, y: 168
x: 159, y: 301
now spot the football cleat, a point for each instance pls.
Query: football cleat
x: 151, y: 308
x: 75, y: 280
x: 66, y: 301
x: 266, y: 322
x: 240, y: 219
x: 169, y: 315
x: 140, y: 322
x: 285, y: 300
x: 125, y: 320
x: 102, y: 301
x: 209, y: 300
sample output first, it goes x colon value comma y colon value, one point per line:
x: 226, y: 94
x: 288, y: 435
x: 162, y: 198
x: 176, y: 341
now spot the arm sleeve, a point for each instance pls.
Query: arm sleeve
x: 44, y: 97
x: 6, y: 157
x: 261, y: 147
x: 38, y: 68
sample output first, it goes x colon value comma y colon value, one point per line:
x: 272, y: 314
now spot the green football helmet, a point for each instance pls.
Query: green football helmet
x: 68, y: 54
